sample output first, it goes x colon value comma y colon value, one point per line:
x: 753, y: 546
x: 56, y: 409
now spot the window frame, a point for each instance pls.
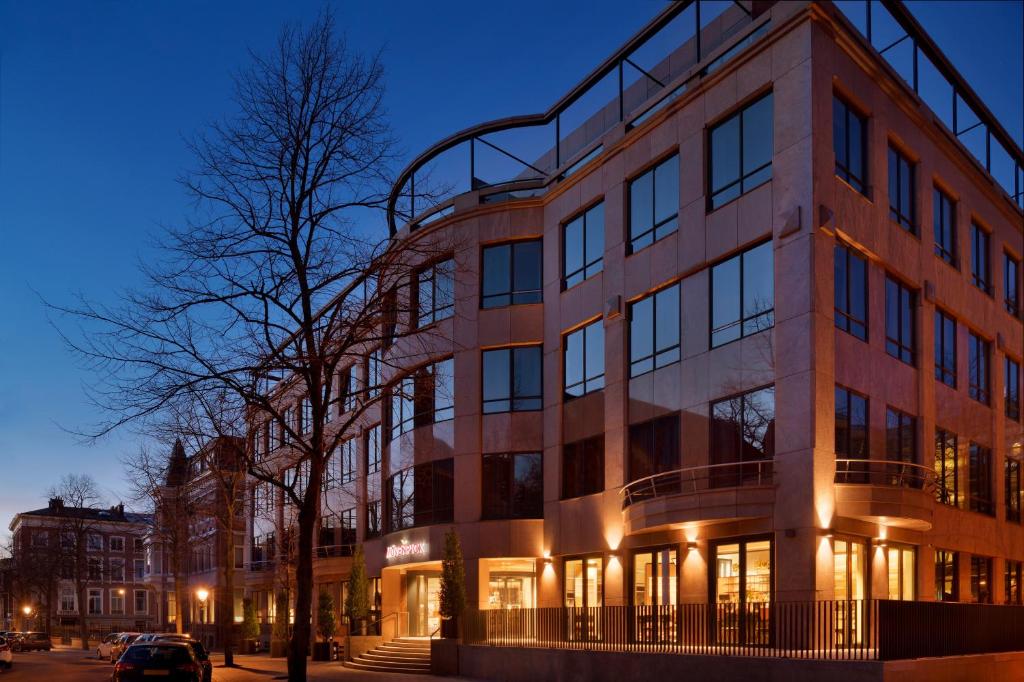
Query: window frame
x: 1013, y: 496
x: 847, y: 451
x: 981, y: 258
x: 944, y: 374
x: 944, y: 440
x: 944, y: 205
x: 847, y: 316
x: 512, y: 292
x: 373, y: 465
x: 653, y: 357
x: 437, y: 313
x: 904, y: 216
x: 489, y: 493
x: 944, y: 569
x: 1011, y: 388
x: 895, y: 436
x: 842, y: 171
x: 904, y: 352
x: 977, y: 596
x: 1011, y: 284
x: 979, y: 369
x: 586, y: 381
x: 738, y: 112
x: 656, y: 227
x: 980, y: 471
x: 583, y: 467
x: 587, y: 269
x: 742, y: 321
x: 512, y: 398
x: 1013, y: 576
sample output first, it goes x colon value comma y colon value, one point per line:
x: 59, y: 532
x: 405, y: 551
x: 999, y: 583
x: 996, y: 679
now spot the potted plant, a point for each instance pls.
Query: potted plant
x: 453, y: 585
x: 279, y: 633
x: 324, y: 627
x: 250, y: 627
x: 357, y: 606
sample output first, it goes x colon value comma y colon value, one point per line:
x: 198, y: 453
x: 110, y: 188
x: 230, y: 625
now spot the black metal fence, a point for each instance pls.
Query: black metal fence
x: 830, y: 630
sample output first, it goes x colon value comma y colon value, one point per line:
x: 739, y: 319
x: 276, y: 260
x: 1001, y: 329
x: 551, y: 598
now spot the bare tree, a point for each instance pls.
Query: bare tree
x: 274, y: 288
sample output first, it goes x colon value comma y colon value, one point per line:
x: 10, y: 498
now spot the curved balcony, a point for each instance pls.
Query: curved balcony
x: 701, y: 494
x: 522, y: 156
x: 882, y: 491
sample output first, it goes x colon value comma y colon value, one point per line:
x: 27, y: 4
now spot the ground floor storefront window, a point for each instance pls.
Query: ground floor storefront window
x: 849, y: 589
x: 584, y: 595
x: 741, y: 587
x: 655, y: 594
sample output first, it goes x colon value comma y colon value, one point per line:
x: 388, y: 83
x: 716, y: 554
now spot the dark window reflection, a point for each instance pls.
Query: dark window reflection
x: 741, y: 152
x: 583, y: 467
x: 584, y: 360
x: 743, y: 295
x: 513, y: 486
x: 851, y: 292
x: 512, y: 274
x: 421, y: 495
x: 654, y: 331
x: 742, y: 430
x: 583, y: 246
x: 654, y: 447
x: 512, y: 379
x: 654, y: 204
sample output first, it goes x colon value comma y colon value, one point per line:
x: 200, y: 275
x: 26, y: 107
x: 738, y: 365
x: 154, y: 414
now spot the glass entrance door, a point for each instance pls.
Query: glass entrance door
x: 584, y: 595
x: 742, y: 582
x: 849, y: 567
x: 655, y: 575
x: 424, y: 591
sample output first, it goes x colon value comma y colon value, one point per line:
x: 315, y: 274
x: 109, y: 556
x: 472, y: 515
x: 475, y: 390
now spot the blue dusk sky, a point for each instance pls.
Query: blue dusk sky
x: 97, y: 96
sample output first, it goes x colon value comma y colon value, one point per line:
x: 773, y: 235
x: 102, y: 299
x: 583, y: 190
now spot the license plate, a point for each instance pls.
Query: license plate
x: 156, y: 673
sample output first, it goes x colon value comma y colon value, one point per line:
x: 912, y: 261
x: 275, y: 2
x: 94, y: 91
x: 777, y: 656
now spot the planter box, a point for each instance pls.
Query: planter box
x: 278, y: 648
x: 322, y: 651
x: 444, y: 656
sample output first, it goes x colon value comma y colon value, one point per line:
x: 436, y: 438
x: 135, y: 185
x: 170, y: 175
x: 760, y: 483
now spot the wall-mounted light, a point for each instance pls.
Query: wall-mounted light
x: 690, y: 546
x: 547, y: 561
x: 880, y: 543
x: 827, y: 533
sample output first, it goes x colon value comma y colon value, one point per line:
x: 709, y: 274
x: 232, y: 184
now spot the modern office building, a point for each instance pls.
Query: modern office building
x: 738, y: 326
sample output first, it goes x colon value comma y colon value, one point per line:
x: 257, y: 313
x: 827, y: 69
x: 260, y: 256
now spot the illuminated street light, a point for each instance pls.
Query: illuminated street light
x: 202, y: 594
x: 27, y: 610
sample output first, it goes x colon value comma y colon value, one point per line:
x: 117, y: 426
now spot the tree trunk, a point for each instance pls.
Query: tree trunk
x: 83, y: 608
x: 229, y: 587
x: 179, y: 603
x: 303, y: 594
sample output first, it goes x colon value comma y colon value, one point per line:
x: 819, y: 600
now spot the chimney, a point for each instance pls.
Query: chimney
x: 56, y: 503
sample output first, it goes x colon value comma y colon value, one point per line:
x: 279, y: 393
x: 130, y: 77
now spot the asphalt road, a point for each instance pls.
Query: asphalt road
x: 74, y: 665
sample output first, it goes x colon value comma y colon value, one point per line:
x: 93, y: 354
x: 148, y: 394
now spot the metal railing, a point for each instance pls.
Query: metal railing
x: 327, y: 551
x: 885, y: 472
x: 649, y: 70
x: 932, y: 77
x: 691, y: 480
x: 829, y: 630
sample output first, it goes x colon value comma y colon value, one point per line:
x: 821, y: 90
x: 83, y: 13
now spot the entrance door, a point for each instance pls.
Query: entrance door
x: 584, y: 595
x: 742, y: 582
x: 654, y: 595
x: 424, y: 604
x: 849, y: 567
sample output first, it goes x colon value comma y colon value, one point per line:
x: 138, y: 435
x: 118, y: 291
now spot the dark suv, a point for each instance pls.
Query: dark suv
x: 33, y: 641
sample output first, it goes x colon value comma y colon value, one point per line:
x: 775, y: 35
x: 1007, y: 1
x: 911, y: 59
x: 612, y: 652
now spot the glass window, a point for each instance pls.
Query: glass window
x: 901, y: 191
x: 902, y: 572
x: 1011, y: 284
x: 947, y: 578
x: 1014, y: 580
x: 743, y: 430
x: 349, y: 390
x: 654, y: 447
x: 346, y: 461
x: 741, y: 152
x: 900, y: 436
x: 583, y: 246
x: 513, y: 486
x: 584, y: 582
x: 742, y: 580
x: 141, y: 601
x: 373, y: 519
x: 978, y: 353
x: 584, y: 360
x: 512, y: 274
x: 899, y: 320
x: 402, y: 406
x: 981, y: 269
x: 945, y: 348
x: 944, y: 222
x: 372, y: 437
x: 654, y: 331
x: 583, y: 467
x: 851, y: 424
x: 374, y: 373
x: 947, y: 468
x: 851, y: 292
x: 435, y: 293
x: 95, y: 602
x: 980, y: 471
x: 849, y: 142
x: 1011, y: 388
x: 742, y: 295
x: 389, y: 317
x: 512, y: 380
x: 655, y: 583
x: 981, y: 580
x: 421, y: 495
x: 654, y: 204
x: 435, y: 393
x: 1012, y: 482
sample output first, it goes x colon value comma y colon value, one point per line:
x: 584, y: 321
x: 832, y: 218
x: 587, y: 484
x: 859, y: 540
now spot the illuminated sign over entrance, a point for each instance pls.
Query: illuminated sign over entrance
x: 407, y: 550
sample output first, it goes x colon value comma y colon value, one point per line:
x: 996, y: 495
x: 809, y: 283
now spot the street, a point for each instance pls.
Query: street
x: 64, y: 664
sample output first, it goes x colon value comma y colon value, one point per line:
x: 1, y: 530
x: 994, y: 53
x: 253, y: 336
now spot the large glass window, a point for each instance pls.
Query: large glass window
x: 512, y: 380
x: 584, y: 360
x: 901, y: 190
x: 743, y: 431
x: 434, y: 400
x: 979, y: 460
x: 513, y: 486
x: 947, y: 575
x: 1011, y: 284
x: 981, y: 268
x: 741, y: 152
x: 1012, y: 483
x: 900, y: 436
x: 944, y: 222
x: 851, y: 424
x: 421, y: 495
x: 435, y: 293
x: 978, y: 353
x: 851, y: 292
x: 1014, y: 577
x: 899, y: 320
x: 654, y: 331
x: 742, y: 295
x: 373, y: 519
x: 584, y: 591
x: 981, y: 579
x: 374, y: 373
x: 654, y: 204
x: 902, y: 572
x: 654, y: 447
x: 1011, y: 388
x: 402, y: 403
x: 655, y: 584
x: 372, y: 438
x: 849, y: 586
x: 512, y: 274
x: 947, y: 468
x: 583, y: 467
x: 849, y: 142
x: 945, y: 348
x: 742, y: 585
x: 583, y: 246
x: 345, y: 461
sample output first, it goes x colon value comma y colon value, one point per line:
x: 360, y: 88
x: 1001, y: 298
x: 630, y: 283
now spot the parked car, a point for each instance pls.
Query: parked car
x: 171, y: 661
x: 103, y: 648
x: 198, y: 650
x: 118, y: 646
x: 6, y: 655
x: 33, y: 641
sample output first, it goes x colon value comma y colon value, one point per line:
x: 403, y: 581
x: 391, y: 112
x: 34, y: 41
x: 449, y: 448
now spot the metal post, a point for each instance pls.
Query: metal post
x: 956, y: 131
x: 558, y: 139
x: 412, y: 196
x: 621, y: 116
x: 916, y: 92
x: 472, y: 164
x: 696, y: 6
x: 867, y: 15
x: 988, y: 149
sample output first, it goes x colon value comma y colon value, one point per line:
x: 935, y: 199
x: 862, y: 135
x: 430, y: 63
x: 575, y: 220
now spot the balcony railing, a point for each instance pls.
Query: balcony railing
x: 884, y: 472
x: 326, y: 551
x: 830, y: 630
x: 521, y: 156
x: 692, y: 480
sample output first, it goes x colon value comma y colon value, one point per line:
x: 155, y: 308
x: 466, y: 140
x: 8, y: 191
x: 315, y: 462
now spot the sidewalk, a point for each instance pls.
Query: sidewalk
x: 263, y: 667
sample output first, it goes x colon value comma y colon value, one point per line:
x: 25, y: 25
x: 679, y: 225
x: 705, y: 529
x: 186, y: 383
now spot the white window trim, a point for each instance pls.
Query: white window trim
x: 110, y: 543
x: 135, y: 602
x: 113, y: 576
x: 114, y: 593
x: 94, y: 592
x: 88, y: 542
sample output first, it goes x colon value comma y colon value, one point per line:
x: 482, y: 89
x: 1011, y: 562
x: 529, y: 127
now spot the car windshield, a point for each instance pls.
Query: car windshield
x: 157, y: 654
